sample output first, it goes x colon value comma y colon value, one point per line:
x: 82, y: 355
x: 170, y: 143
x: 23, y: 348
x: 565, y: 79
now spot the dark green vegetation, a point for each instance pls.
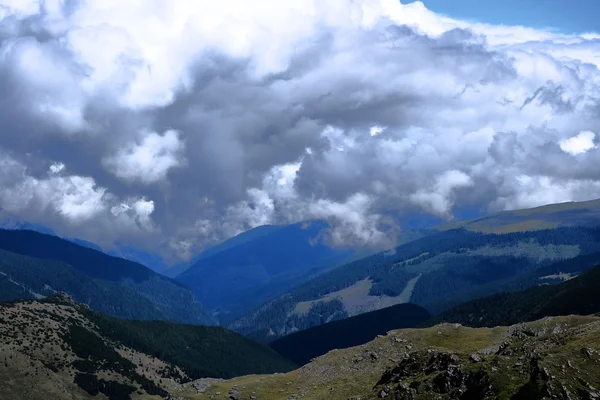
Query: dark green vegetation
x: 200, y: 351
x: 580, y: 295
x: 303, y: 346
x: 57, y: 349
x: 95, y: 355
x: 436, y: 271
x: 244, y: 272
x: 34, y: 264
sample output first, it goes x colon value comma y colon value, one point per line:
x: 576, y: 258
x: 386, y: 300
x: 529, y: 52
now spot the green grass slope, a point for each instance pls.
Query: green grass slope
x: 553, y: 358
x: 301, y: 347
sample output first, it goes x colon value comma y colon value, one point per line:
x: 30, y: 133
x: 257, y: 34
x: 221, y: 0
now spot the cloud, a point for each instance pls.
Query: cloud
x: 150, y: 160
x: 578, y: 144
x: 78, y: 201
x: 199, y: 120
x: 438, y: 199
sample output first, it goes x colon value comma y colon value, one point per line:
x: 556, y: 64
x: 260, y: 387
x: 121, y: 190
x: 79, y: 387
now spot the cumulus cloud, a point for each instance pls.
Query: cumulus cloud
x: 578, y: 144
x: 438, y: 199
x: 175, y: 124
x: 150, y: 160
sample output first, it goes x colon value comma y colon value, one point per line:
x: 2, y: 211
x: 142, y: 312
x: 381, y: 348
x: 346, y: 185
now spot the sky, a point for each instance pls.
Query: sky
x: 171, y: 125
x: 566, y: 16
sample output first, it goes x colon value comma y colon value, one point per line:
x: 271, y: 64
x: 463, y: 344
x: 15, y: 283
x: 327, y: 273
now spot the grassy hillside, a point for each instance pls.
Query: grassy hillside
x: 62, y: 350
x: 437, y: 271
x: 42, y: 264
x: 555, y: 358
x: 301, y: 347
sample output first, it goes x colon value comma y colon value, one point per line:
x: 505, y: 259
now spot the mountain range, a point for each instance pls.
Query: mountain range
x: 435, y: 271
x: 482, y: 306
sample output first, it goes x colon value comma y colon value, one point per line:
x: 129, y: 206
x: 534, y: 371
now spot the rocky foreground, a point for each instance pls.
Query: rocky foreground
x: 554, y: 358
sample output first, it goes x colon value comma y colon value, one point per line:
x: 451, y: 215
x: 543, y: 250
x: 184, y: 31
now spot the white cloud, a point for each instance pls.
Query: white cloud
x: 135, y: 212
x: 149, y: 160
x: 541, y: 190
x: 275, y: 112
x: 376, y: 130
x: 438, y: 199
x: 19, y: 8
x: 579, y: 144
x: 56, y: 168
x: 76, y: 198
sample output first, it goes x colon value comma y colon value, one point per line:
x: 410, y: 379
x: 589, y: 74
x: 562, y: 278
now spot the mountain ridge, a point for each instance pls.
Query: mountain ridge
x: 60, y: 349
x: 112, y: 281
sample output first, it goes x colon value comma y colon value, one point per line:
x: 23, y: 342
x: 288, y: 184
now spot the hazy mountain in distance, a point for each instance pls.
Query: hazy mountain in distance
x: 270, y: 262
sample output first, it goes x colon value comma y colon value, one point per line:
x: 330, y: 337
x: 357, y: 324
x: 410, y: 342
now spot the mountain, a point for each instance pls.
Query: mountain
x: 260, y: 265
x: 569, y: 214
x: 553, y: 358
x: 437, y: 272
x: 9, y: 221
x: 230, y: 243
x: 303, y: 346
x: 38, y: 265
x: 152, y: 261
x: 59, y: 349
x: 578, y: 295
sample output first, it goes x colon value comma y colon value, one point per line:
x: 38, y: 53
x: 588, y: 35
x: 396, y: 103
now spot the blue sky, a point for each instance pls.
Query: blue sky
x: 567, y: 16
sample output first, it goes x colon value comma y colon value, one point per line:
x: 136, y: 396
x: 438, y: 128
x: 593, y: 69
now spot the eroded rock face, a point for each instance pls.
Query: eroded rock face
x: 431, y: 372
x: 522, y: 370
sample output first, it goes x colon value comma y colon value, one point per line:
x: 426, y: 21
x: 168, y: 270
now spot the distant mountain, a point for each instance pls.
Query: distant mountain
x: 569, y: 214
x: 9, y: 221
x: 41, y: 264
x: 257, y: 266
x: 437, y: 272
x: 58, y: 349
x: 579, y: 295
x: 150, y: 260
x: 301, y: 347
x: 230, y: 243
